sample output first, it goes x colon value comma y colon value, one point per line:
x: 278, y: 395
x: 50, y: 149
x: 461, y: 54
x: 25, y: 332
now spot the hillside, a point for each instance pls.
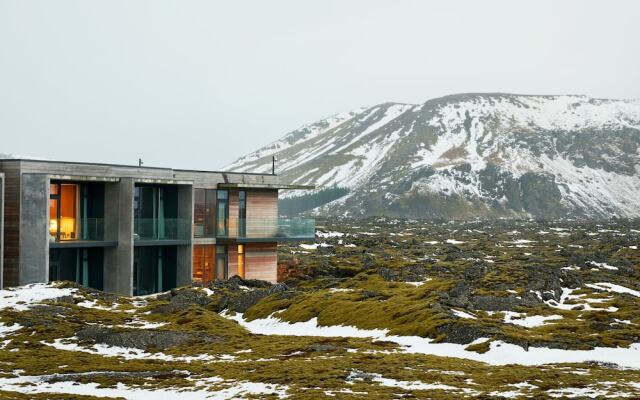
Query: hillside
x: 376, y: 308
x: 470, y: 155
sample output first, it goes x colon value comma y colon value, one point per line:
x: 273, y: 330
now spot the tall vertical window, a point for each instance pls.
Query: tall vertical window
x: 203, y: 258
x: 155, y: 212
x: 222, y: 213
x: 81, y: 265
x: 63, y: 211
x: 221, y: 262
x: 242, y: 213
x: 204, y: 209
x: 54, y: 201
x: 154, y: 269
x: 199, y: 208
x: 241, y: 260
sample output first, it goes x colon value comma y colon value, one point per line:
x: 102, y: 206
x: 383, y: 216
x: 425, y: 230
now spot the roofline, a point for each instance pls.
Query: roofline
x: 129, y: 166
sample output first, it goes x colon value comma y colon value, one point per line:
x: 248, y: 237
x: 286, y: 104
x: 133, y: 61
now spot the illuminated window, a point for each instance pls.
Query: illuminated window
x: 63, y: 211
x: 203, y: 264
x: 241, y: 261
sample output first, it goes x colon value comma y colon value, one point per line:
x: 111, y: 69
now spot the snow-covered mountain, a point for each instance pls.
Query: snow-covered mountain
x: 470, y: 155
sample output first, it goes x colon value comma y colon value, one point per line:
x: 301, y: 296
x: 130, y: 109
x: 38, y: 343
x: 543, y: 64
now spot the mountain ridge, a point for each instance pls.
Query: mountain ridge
x: 470, y: 155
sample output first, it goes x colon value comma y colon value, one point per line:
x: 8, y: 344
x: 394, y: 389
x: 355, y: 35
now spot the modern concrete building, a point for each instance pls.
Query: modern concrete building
x: 139, y: 230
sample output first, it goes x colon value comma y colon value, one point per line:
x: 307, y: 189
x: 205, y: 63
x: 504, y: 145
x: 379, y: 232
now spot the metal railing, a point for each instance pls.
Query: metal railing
x: 81, y: 229
x: 267, y: 228
x: 161, y: 229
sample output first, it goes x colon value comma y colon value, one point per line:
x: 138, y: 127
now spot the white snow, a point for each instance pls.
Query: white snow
x: 206, y: 388
x: 500, y: 353
x: 313, y: 246
x: 532, y: 321
x: 569, y: 301
x: 603, y: 265
x: 408, y: 385
x: 454, y: 241
x: 22, y: 297
x: 418, y: 283
x: 462, y: 314
x: 611, y: 287
x: 6, y: 329
x: 129, y: 353
x: 329, y: 234
x: 350, y: 149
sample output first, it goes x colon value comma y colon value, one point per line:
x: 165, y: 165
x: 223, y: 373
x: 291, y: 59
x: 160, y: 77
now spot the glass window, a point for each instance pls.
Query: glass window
x: 242, y: 213
x: 241, y: 261
x: 68, y: 211
x: 154, y: 269
x: 204, y: 212
x: 210, y: 213
x: 199, y: 210
x: 54, y: 201
x: 203, y: 264
x: 221, y: 262
x: 63, y: 211
x: 222, y: 214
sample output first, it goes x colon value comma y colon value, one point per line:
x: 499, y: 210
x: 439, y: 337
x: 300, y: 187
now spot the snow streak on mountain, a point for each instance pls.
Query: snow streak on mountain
x: 470, y: 155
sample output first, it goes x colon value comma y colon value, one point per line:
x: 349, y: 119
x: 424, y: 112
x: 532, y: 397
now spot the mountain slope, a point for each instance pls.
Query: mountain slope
x: 470, y: 155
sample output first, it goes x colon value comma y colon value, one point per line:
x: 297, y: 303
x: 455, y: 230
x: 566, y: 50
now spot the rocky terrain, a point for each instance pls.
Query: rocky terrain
x: 376, y: 308
x: 467, y: 156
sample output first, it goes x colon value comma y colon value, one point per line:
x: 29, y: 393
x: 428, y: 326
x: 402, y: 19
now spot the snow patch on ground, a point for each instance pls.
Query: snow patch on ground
x: 313, y: 246
x: 206, y: 388
x: 500, y: 353
x: 533, y: 321
x: 610, y: 287
x: 21, y: 298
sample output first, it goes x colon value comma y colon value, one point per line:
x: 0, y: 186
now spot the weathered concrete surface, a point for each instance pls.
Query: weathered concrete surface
x: 34, y: 229
x: 118, y: 261
x: 185, y: 253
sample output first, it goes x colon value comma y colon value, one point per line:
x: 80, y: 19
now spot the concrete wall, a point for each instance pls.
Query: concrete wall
x: 34, y: 229
x: 184, y: 267
x: 118, y: 261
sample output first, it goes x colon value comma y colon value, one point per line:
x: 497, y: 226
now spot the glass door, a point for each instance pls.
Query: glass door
x: 221, y: 262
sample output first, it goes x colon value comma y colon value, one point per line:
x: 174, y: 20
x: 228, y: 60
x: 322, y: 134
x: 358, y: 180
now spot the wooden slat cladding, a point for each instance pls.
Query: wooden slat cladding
x: 11, y: 275
x: 262, y: 213
x: 261, y: 261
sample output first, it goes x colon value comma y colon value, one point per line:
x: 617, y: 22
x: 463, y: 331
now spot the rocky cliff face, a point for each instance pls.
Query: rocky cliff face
x: 470, y: 155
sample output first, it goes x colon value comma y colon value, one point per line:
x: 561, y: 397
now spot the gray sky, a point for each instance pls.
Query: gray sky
x: 196, y: 84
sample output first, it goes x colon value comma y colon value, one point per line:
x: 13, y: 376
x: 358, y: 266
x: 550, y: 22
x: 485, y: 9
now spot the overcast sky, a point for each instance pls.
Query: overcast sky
x: 196, y: 84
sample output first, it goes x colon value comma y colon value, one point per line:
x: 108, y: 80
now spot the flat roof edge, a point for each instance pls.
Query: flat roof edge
x: 264, y: 186
x: 30, y: 160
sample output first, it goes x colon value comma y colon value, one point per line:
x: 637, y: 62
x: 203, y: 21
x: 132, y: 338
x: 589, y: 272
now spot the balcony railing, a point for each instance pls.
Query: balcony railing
x: 271, y: 228
x: 161, y: 229
x: 88, y: 229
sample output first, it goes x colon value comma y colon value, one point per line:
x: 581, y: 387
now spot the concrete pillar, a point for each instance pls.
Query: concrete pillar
x: 118, y: 214
x: 184, y: 264
x: 34, y: 229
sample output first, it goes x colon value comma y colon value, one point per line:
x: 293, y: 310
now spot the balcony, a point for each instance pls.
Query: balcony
x: 167, y: 229
x: 85, y: 232
x: 272, y: 229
